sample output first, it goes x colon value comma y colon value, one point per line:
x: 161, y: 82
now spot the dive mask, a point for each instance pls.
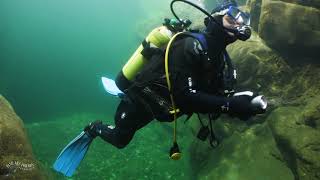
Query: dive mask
x: 243, y: 32
x: 240, y: 17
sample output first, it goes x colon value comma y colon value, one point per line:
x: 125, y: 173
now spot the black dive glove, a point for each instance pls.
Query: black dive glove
x: 244, y: 105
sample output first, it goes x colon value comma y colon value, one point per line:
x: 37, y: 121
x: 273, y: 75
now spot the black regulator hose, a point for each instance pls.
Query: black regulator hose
x: 192, y: 4
x: 203, y: 11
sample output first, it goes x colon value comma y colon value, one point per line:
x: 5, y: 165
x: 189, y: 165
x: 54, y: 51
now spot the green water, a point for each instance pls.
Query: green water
x: 53, y: 53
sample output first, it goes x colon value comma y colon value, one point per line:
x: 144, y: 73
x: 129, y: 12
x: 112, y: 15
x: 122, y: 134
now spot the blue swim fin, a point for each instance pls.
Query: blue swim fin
x: 71, y: 156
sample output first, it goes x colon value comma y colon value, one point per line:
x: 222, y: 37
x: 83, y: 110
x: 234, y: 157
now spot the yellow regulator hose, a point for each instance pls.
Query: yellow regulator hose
x: 174, y: 155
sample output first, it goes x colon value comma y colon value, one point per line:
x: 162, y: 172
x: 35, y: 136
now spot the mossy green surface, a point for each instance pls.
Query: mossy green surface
x: 296, y: 131
x: 250, y: 155
x: 146, y: 157
x: 291, y: 29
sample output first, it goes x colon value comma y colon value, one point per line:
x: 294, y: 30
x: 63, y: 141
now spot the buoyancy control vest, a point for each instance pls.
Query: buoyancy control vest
x: 155, y: 43
x: 220, y: 76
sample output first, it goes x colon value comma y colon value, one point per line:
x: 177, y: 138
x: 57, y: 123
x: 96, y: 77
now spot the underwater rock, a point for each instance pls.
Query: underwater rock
x: 296, y: 131
x: 16, y: 159
x: 249, y: 155
x: 255, y: 9
x: 264, y: 71
x: 259, y: 68
x: 291, y: 29
x: 311, y: 3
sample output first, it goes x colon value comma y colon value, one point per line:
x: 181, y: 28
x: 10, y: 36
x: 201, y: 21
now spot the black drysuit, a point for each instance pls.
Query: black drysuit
x: 196, y: 83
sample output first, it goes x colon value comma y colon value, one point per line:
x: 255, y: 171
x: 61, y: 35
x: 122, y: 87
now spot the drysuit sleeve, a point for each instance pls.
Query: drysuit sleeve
x: 188, y: 71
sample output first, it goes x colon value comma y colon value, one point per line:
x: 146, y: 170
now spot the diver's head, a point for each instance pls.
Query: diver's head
x: 234, y: 22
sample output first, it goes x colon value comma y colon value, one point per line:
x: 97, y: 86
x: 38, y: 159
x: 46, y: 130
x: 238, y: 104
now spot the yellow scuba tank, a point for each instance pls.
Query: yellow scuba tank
x: 158, y: 37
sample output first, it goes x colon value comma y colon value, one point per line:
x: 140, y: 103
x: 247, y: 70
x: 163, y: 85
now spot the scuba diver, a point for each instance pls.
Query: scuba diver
x: 197, y: 76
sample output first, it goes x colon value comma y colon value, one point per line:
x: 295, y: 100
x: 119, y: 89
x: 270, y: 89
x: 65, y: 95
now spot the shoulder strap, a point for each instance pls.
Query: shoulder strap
x: 200, y: 37
x: 231, y: 78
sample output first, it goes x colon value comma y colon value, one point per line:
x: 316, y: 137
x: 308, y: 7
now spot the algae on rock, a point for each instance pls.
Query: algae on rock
x: 16, y: 158
x: 291, y: 29
x: 296, y: 131
x: 251, y: 154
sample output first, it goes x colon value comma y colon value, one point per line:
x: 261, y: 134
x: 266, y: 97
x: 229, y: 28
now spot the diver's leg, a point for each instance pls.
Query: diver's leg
x: 128, y: 119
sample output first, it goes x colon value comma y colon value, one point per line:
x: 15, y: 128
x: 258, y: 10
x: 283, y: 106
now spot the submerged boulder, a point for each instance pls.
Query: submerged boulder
x: 251, y: 154
x: 310, y: 3
x: 291, y: 29
x: 16, y: 159
x: 259, y: 68
x: 263, y: 70
x: 297, y: 131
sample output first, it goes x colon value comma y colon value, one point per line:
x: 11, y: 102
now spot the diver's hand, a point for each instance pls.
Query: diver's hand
x: 240, y: 106
x: 245, y: 104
